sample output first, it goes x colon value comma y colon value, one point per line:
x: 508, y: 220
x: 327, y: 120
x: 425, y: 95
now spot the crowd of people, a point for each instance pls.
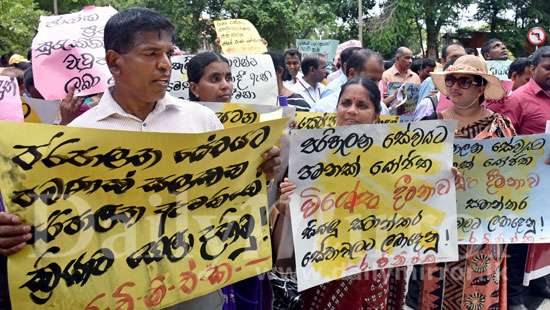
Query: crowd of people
x: 139, y: 43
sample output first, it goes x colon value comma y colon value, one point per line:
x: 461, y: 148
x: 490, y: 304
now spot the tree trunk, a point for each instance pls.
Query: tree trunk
x: 432, y: 36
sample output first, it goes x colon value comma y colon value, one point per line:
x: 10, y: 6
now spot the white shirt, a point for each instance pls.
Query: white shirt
x: 424, y: 108
x: 310, y: 93
x: 169, y: 115
x: 334, y: 75
x: 336, y: 84
x: 291, y: 85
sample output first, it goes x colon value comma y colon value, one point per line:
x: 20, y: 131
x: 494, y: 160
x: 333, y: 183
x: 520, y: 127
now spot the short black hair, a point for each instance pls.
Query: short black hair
x: 196, y: 65
x: 486, y: 48
x: 450, y: 63
x: 346, y: 54
x: 121, y: 28
x: 370, y: 86
x: 293, y: 52
x: 518, y: 66
x: 359, y: 58
x: 416, y: 65
x: 427, y: 62
x: 541, y: 52
x: 278, y: 61
x: 471, y: 51
x: 24, y: 65
x: 308, y: 62
x: 444, y: 52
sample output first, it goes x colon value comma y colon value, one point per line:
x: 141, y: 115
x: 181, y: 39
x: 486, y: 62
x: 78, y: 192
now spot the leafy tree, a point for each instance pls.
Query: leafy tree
x: 18, y: 24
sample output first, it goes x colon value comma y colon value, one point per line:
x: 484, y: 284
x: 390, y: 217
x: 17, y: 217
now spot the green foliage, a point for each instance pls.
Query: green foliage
x: 18, y: 24
x: 402, y: 22
x: 513, y: 32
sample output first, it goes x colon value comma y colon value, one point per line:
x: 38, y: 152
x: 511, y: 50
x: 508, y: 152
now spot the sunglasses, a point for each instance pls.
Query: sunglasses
x: 463, y: 82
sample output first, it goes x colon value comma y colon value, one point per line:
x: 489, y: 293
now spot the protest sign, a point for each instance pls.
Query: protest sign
x: 10, y: 102
x: 239, y: 36
x: 354, y: 210
x: 503, y: 189
x: 254, y: 78
x: 499, y: 68
x: 161, y: 219
x: 389, y: 119
x: 326, y: 47
x: 68, y: 51
x: 40, y: 111
x: 405, y: 100
x: 234, y: 114
x: 312, y: 120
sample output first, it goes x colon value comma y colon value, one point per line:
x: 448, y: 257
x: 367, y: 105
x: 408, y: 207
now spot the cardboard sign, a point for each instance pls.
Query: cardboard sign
x: 254, y: 79
x: 68, y: 51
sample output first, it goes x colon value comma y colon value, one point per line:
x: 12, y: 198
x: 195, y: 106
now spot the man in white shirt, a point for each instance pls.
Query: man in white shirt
x: 336, y: 83
x: 138, y: 44
x: 309, y: 86
x: 364, y: 62
x: 293, y: 60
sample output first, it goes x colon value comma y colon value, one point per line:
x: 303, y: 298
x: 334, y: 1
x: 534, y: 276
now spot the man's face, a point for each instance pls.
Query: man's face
x: 541, y: 73
x: 293, y: 65
x: 453, y: 52
x: 405, y: 60
x: 498, y: 51
x: 322, y: 71
x: 144, y: 71
x: 373, y: 69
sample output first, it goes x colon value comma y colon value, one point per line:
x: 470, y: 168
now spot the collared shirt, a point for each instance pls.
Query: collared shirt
x: 392, y: 75
x: 169, y: 115
x: 336, y: 84
x: 311, y: 94
x: 335, y: 75
x: 528, y: 107
x: 293, y: 84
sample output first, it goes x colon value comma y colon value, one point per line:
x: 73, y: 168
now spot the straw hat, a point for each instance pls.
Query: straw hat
x: 470, y: 64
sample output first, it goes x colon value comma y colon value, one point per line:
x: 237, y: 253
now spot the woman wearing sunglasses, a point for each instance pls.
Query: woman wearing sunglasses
x: 477, y: 280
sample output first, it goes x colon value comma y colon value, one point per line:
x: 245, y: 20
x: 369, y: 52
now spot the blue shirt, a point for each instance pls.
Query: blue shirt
x: 425, y: 89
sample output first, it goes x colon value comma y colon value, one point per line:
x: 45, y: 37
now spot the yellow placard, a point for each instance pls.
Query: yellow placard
x: 389, y: 119
x: 239, y: 36
x: 311, y: 120
x: 371, y: 197
x: 136, y: 220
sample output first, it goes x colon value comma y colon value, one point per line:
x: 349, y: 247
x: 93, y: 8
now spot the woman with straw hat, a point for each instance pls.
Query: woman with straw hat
x: 478, y: 279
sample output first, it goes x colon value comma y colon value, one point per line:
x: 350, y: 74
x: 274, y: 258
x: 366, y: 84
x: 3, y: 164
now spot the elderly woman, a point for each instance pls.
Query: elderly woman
x: 476, y: 280
x: 358, y: 103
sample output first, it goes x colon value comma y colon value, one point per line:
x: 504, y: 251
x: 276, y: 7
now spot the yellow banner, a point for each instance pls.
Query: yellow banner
x: 389, y: 119
x: 236, y: 114
x: 371, y: 197
x: 239, y: 36
x: 132, y: 220
x: 315, y: 120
